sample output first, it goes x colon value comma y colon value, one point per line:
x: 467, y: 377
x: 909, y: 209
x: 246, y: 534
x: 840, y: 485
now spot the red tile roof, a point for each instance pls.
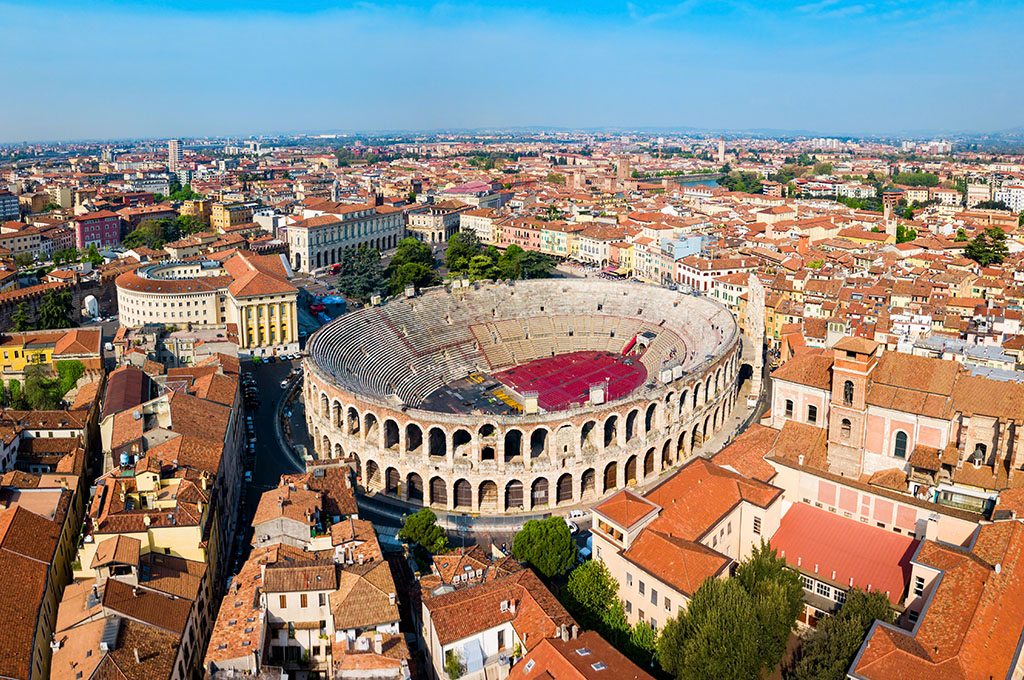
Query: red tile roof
x: 824, y: 543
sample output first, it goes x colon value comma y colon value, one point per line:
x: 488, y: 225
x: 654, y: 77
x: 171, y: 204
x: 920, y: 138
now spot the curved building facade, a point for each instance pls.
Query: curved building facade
x: 251, y: 291
x: 417, y: 392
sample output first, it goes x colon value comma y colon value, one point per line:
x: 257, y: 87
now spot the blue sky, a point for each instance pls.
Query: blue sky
x: 114, y: 69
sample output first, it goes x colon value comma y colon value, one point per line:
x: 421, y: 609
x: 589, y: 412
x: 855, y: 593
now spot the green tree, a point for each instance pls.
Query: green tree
x: 988, y: 247
x: 749, y: 182
x: 69, y: 371
x: 422, y: 529
x: 534, y: 265
x: 546, y: 545
x: 735, y: 629
x: 414, y: 273
x: 17, y: 399
x: 412, y: 250
x: 555, y: 178
x: 589, y: 593
x: 510, y: 263
x: 20, y: 319
x: 149, y: 233
x: 715, y: 637
x: 41, y: 391
x: 93, y: 255
x: 828, y: 653
x: 22, y: 260
x: 55, y: 310
x: 916, y: 179
x: 362, y: 274
x: 992, y: 205
x: 904, y: 234
x: 961, y: 235
x: 643, y: 642
x: 822, y: 169
x: 462, y: 247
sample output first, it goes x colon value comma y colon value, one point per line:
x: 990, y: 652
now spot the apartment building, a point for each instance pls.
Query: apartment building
x: 327, y: 230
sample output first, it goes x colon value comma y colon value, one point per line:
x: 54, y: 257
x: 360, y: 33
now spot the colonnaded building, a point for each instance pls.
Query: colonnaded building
x: 234, y: 287
x: 512, y: 397
x: 327, y: 229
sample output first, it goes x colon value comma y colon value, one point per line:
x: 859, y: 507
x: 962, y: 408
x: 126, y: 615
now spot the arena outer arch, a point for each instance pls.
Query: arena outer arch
x: 369, y: 373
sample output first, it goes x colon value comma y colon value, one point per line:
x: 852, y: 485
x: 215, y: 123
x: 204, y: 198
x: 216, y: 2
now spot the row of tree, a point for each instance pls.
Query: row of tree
x: 363, y: 274
x: 732, y: 629
x: 41, y: 391
x: 155, y: 233
x: 54, y: 312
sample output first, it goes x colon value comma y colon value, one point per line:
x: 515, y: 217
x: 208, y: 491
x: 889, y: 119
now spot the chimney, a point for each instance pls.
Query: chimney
x: 391, y: 599
x: 565, y: 633
x: 512, y: 608
x: 378, y: 643
x: 146, y: 520
x: 360, y: 558
x: 575, y: 631
x: 135, y: 591
x: 137, y: 659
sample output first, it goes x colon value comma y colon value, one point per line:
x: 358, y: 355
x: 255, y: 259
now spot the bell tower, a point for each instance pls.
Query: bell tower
x: 854, y: 359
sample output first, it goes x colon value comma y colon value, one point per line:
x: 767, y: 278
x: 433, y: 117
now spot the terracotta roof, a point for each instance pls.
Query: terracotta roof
x: 969, y: 628
x: 468, y: 611
x: 576, y: 659
x: 844, y: 551
x: 626, y: 508
x: 118, y: 549
x: 681, y: 563
x: 147, y: 606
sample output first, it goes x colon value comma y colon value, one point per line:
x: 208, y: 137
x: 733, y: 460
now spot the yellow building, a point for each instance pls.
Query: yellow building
x: 21, y: 350
x: 201, y: 208
x: 224, y: 215
x: 251, y: 291
x: 167, y: 513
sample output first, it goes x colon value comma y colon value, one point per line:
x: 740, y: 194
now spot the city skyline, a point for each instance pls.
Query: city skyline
x: 230, y: 68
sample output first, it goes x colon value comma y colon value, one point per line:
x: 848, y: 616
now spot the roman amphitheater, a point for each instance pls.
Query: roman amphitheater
x: 505, y: 398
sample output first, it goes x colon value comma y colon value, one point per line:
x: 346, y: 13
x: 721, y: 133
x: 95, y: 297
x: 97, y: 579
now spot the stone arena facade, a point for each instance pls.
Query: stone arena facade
x: 505, y: 464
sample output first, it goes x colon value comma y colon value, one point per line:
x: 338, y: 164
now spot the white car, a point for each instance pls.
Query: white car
x: 284, y: 384
x: 576, y: 514
x: 573, y: 529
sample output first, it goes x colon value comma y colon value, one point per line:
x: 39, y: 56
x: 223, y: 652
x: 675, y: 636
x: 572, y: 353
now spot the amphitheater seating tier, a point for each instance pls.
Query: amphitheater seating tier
x: 411, y: 348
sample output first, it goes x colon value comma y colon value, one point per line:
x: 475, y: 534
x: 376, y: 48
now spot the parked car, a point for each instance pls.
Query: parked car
x: 576, y: 514
x: 573, y: 529
x: 284, y: 384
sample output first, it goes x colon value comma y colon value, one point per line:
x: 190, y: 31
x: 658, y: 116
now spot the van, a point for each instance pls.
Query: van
x: 108, y: 346
x: 576, y: 514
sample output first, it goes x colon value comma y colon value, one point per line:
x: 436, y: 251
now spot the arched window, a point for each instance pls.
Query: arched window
x: 899, y: 448
x: 812, y: 414
x: 848, y: 393
x: 845, y: 428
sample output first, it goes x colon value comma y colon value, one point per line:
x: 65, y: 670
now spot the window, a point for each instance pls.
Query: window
x: 303, y: 601
x: 789, y: 408
x: 979, y: 454
x: 284, y: 601
x: 807, y: 582
x: 322, y: 599
x: 668, y: 605
x: 629, y: 607
x: 529, y: 666
x: 629, y: 579
x: 848, y: 393
x: 899, y: 448
x: 643, y: 588
x: 640, y: 614
x: 757, y: 526
x: 812, y: 413
x: 823, y: 589
x: 654, y: 596
x: 919, y: 585
x: 913, y: 616
x: 840, y: 596
x: 845, y: 428
x: 501, y: 639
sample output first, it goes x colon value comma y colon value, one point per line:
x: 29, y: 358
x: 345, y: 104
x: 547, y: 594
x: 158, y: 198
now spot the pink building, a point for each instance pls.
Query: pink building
x: 524, y: 233
x: 102, y: 228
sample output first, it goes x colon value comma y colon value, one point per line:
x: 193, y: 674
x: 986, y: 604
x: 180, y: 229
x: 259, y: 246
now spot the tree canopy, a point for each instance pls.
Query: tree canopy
x: 916, y: 179
x: 988, y: 247
x: 422, y: 529
x: 546, y: 545
x: 362, y: 274
x: 749, y: 182
x: 466, y: 256
x: 737, y: 628
x: 412, y: 263
x: 55, y: 310
x: 828, y: 653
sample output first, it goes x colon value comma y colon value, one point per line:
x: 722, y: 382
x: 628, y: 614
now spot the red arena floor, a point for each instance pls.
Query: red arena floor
x: 564, y: 381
